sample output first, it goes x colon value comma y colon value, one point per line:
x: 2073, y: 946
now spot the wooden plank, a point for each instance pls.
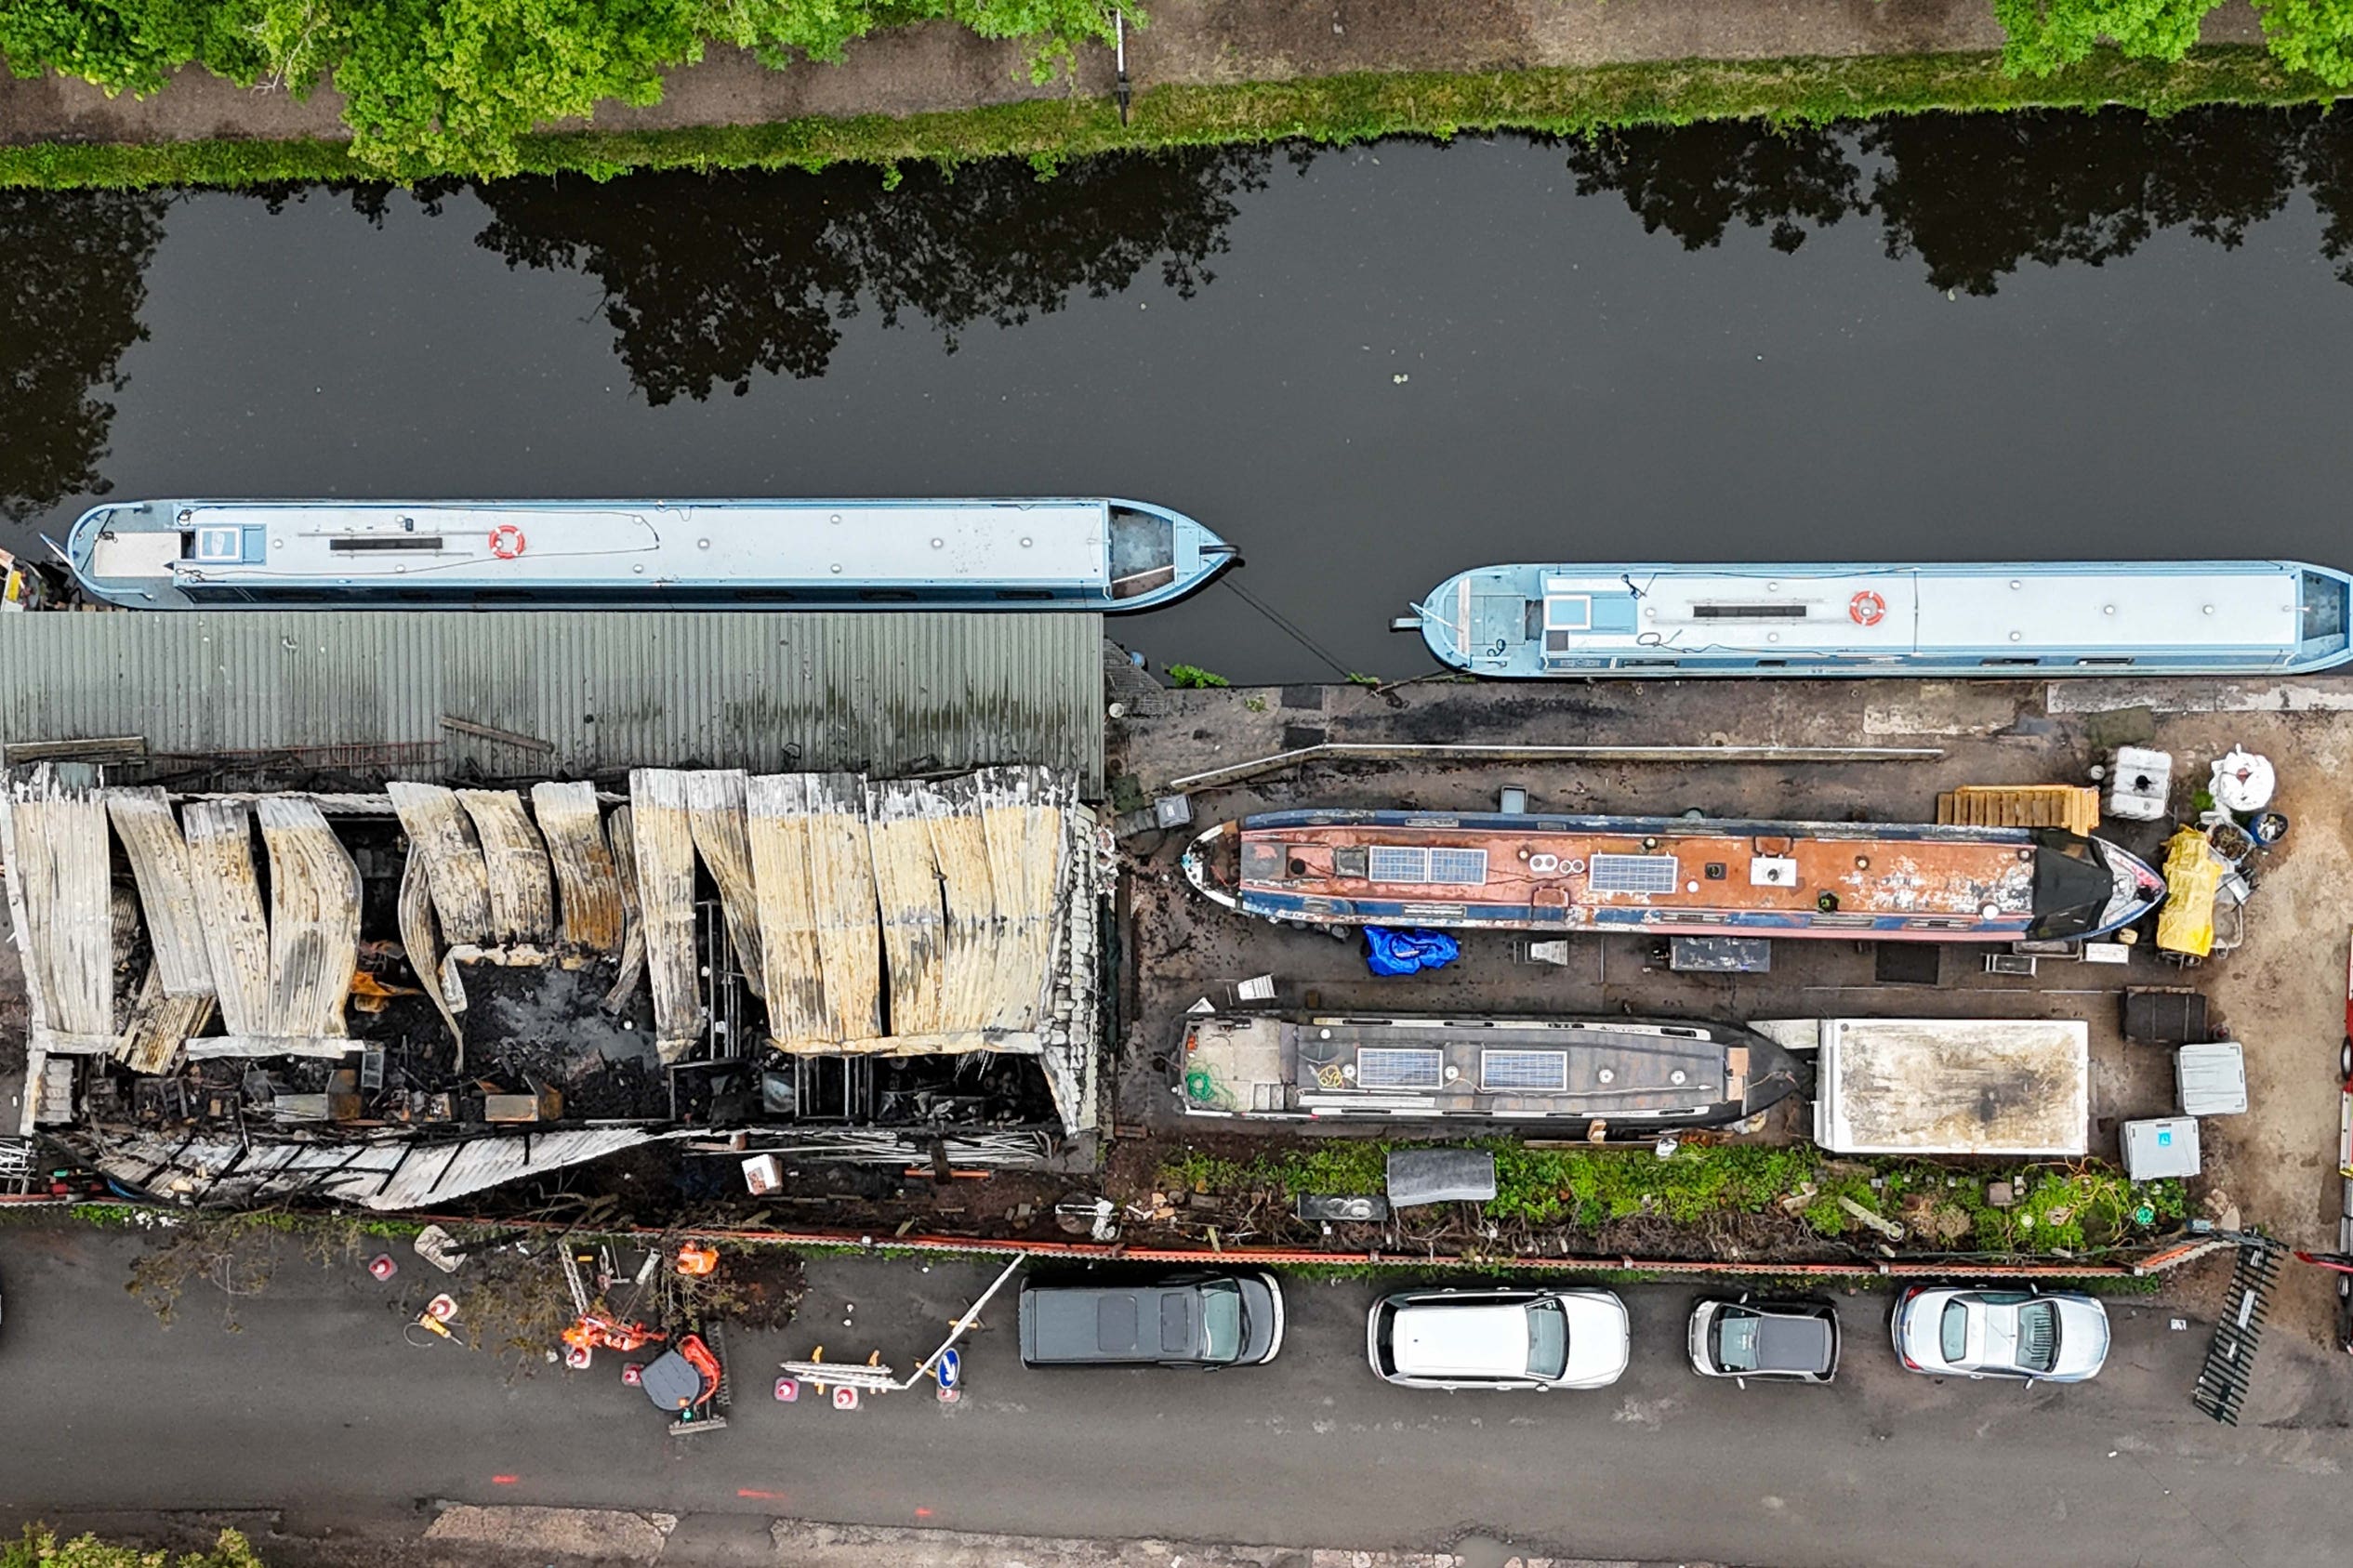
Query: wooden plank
x: 776, y: 822
x: 521, y: 889
x: 715, y: 814
x: 440, y: 828
x: 587, y: 884
x: 61, y: 892
x: 228, y: 890
x: 907, y: 877
x: 842, y: 879
x: 314, y: 920
x: 665, y: 844
x: 143, y: 820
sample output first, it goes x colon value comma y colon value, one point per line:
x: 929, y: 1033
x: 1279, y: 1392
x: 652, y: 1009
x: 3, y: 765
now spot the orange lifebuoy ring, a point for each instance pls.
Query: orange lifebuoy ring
x: 506, y: 541
x: 1867, y: 608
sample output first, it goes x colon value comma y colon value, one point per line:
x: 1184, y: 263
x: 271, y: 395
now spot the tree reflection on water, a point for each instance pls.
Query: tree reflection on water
x: 708, y: 279
x: 1975, y: 197
x: 72, y: 278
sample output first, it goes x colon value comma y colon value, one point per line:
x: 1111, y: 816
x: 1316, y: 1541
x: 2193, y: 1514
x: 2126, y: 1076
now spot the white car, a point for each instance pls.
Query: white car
x: 2056, y: 1337
x: 1499, y: 1338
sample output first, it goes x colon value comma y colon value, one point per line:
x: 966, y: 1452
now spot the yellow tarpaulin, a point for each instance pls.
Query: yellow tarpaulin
x: 2192, y: 873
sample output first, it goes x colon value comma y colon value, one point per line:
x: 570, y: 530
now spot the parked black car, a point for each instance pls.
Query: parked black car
x: 1177, y: 1320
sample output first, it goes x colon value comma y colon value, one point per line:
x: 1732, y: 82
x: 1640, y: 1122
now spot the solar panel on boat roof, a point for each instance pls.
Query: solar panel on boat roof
x: 1522, y: 1070
x: 1392, y: 863
x: 1635, y: 874
x: 1459, y: 868
x: 1392, y: 1067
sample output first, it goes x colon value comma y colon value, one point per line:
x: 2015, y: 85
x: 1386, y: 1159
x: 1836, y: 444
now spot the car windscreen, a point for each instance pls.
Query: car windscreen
x: 1221, y: 1329
x: 2038, y: 1337
x: 1735, y: 1340
x: 1547, y: 1340
x: 1953, y: 1332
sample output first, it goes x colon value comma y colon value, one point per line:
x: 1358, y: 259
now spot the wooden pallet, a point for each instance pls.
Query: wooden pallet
x: 2073, y: 807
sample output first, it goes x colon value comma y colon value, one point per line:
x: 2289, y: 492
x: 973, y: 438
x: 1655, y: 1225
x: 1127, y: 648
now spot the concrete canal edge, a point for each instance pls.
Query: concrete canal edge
x: 1204, y: 75
x: 548, y: 1535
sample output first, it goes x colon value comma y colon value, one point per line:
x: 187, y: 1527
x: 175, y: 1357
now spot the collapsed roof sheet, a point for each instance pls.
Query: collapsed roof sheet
x: 395, y: 1173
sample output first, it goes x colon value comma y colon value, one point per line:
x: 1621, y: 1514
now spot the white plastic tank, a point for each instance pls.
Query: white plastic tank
x: 2139, y: 783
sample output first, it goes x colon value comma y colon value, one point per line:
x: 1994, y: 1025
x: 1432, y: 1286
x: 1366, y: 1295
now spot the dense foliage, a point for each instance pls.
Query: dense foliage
x: 38, y: 1548
x: 2045, y: 35
x: 441, y: 84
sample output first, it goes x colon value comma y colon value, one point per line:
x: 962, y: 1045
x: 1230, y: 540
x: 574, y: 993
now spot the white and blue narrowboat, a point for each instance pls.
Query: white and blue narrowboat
x: 1672, y: 875
x: 1038, y: 554
x: 2188, y: 617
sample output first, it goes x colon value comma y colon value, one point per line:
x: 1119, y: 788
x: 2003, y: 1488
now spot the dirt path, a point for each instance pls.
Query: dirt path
x: 941, y: 66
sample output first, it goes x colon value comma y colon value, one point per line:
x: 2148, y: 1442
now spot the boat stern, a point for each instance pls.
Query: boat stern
x: 1213, y: 863
x: 126, y: 552
x: 2089, y: 887
x: 2324, y: 616
x: 1487, y: 621
x: 1158, y: 555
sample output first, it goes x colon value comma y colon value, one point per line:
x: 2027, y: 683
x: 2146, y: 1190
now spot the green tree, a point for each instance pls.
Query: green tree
x: 38, y: 1548
x: 2313, y: 35
x: 2043, y: 35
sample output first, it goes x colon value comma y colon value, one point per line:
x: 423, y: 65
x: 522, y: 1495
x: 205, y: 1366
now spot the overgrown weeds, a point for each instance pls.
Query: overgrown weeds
x: 1569, y: 102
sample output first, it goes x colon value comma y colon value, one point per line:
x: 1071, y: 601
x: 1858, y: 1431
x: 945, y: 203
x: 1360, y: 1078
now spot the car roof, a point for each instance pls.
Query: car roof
x: 1443, y: 1338
x: 1791, y: 1339
x: 1091, y: 1322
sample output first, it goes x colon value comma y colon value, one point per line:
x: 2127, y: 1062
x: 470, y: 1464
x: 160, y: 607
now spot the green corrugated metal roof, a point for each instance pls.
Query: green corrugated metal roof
x: 877, y: 692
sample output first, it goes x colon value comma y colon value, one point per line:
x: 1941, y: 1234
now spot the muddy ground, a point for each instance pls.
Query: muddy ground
x: 2282, y: 995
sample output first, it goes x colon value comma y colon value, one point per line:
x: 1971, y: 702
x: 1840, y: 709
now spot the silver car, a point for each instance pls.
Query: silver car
x: 2054, y: 1337
x: 1499, y: 1338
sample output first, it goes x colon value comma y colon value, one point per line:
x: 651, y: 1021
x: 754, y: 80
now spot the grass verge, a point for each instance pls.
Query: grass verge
x: 1560, y: 101
x: 2057, y: 1209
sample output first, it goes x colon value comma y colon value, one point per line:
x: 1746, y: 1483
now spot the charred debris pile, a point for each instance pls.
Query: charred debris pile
x: 396, y: 999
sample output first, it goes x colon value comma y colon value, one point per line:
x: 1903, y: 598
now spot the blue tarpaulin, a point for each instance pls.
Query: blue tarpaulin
x: 1391, y: 952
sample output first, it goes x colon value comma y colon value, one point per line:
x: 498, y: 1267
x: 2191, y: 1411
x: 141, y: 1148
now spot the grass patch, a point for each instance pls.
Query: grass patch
x: 1558, y: 101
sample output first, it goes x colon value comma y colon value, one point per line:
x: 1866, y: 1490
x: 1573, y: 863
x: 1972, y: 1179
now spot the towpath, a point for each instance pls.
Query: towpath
x: 941, y: 66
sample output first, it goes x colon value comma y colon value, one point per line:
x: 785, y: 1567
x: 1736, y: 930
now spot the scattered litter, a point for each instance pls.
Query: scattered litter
x: 383, y: 1267
x: 2177, y: 1325
x: 440, y: 1248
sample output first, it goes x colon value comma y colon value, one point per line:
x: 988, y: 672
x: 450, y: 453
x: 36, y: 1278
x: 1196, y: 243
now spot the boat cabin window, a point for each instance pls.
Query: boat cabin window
x: 1571, y: 612
x: 1351, y: 860
x: 1421, y: 867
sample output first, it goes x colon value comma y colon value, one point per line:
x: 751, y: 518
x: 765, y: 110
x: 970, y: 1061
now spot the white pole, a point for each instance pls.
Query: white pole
x: 957, y: 1331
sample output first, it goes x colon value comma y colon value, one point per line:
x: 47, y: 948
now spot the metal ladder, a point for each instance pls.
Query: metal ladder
x: 2222, y: 1382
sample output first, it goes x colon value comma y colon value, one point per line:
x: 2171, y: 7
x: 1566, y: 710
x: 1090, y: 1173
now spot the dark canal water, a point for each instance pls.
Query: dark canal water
x: 1929, y: 337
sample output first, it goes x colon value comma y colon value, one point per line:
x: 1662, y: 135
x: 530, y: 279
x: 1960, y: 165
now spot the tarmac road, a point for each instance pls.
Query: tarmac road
x: 318, y: 1408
